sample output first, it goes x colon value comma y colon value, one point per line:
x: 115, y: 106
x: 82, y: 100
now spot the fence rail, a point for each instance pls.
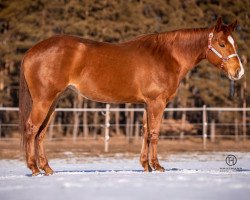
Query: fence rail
x: 107, y: 110
x: 135, y: 109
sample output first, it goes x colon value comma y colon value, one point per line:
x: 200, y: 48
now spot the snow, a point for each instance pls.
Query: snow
x: 187, y: 176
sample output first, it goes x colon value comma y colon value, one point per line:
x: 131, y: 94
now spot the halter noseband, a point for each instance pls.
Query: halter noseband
x: 210, y: 47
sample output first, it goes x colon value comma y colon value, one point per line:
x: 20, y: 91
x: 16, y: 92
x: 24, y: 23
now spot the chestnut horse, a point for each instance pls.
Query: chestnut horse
x: 145, y: 70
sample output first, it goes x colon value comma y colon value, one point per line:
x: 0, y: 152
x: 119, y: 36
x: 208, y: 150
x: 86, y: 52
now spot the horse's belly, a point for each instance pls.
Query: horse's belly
x: 108, y: 95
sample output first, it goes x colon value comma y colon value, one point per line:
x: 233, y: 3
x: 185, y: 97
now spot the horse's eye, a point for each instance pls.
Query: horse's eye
x: 222, y: 45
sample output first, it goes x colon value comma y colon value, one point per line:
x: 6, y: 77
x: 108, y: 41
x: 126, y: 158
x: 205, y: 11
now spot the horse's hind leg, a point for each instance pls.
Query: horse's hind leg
x: 41, y: 156
x: 37, y: 116
x: 145, y: 145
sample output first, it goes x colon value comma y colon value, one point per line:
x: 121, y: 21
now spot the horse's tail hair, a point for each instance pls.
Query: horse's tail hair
x: 25, y: 105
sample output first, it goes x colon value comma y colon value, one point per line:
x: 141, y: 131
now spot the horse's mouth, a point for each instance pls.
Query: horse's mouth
x: 233, y: 78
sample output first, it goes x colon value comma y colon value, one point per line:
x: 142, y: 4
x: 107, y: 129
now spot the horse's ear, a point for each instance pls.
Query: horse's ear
x: 232, y: 26
x: 218, y: 25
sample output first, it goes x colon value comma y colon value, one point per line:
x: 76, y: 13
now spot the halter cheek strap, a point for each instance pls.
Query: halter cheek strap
x: 210, y: 47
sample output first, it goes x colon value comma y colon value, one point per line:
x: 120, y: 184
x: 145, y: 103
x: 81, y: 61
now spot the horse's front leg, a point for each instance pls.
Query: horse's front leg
x: 155, y: 111
x: 41, y: 155
x: 145, y: 145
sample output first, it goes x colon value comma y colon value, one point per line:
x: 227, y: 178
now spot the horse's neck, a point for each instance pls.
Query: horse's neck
x: 189, y: 48
x: 182, y: 49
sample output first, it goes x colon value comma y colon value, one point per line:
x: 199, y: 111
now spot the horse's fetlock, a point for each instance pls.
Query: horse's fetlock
x: 154, y: 160
x: 144, y: 157
x: 31, y: 165
x: 43, y: 164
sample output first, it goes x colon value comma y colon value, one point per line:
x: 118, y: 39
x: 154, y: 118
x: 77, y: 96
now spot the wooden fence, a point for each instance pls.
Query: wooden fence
x: 129, y: 113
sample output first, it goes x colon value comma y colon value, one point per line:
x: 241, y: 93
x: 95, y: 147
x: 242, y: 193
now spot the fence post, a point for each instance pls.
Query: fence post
x: 183, y: 121
x: 244, y: 121
x: 127, y: 128
x: 131, y: 128
x: 117, y: 122
x: 77, y: 104
x: 137, y: 129
x: 85, y: 121
x: 204, y: 123
x: 236, y: 130
x: 212, y: 131
x: 107, y: 125
x: 0, y: 129
x: 95, y: 121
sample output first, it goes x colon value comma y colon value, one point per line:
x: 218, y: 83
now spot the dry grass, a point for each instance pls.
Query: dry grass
x: 10, y: 149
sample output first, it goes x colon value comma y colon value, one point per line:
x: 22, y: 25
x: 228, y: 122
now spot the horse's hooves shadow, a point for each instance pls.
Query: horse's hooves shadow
x: 102, y: 171
x: 89, y: 171
x: 97, y: 171
x: 130, y: 171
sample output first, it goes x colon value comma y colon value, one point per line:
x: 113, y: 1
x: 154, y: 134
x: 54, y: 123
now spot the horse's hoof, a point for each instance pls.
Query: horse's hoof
x: 148, y: 169
x: 160, y: 169
x: 48, y: 171
x: 157, y: 167
x: 35, y: 172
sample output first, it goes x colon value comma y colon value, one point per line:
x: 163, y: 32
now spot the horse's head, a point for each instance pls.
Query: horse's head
x: 221, y: 50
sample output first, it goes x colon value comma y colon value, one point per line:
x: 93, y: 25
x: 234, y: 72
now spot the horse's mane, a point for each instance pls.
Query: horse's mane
x: 158, y: 42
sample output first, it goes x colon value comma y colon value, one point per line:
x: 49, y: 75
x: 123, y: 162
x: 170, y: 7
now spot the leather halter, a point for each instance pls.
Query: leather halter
x: 210, y: 47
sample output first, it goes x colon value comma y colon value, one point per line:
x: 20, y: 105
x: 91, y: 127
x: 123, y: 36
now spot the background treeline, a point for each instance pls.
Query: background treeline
x: 23, y: 23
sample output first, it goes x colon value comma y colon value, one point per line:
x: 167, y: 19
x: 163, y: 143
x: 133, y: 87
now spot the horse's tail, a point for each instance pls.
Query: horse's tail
x: 25, y: 104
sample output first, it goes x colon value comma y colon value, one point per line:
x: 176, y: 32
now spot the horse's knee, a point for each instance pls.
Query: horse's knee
x: 144, y: 133
x: 154, y: 137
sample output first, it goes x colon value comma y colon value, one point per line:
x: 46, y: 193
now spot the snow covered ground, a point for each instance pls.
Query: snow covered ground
x: 188, y: 176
